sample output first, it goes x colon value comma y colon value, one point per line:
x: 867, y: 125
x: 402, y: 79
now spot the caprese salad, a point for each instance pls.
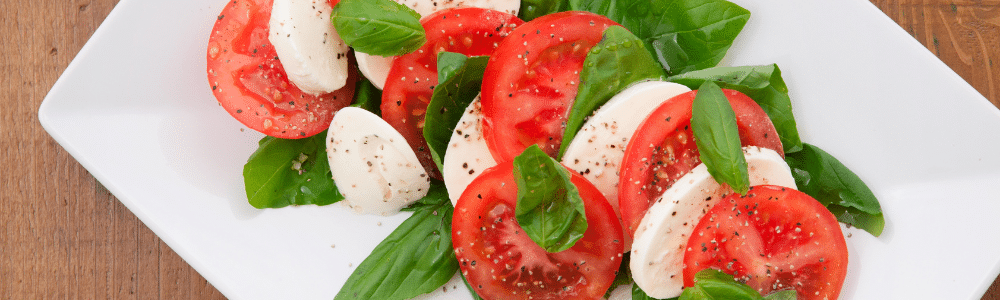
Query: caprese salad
x: 548, y: 149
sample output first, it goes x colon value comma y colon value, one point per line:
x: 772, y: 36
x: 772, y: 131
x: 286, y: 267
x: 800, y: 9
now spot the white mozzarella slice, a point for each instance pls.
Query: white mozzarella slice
x: 597, y: 150
x: 467, y: 154
x: 312, y: 53
x: 376, y: 68
x: 372, y: 165
x: 658, y: 250
x: 454, y: 289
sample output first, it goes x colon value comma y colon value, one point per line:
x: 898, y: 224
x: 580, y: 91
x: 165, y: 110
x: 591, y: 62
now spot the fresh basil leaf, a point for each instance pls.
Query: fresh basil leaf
x: 616, y: 62
x: 378, y: 27
x: 459, y: 81
x: 549, y: 207
x: 684, y: 35
x: 639, y: 294
x: 531, y: 9
x: 825, y: 178
x: 782, y: 295
x: 285, y: 172
x: 414, y: 259
x: 764, y: 85
x: 713, y: 284
x: 367, y: 96
x: 714, y: 124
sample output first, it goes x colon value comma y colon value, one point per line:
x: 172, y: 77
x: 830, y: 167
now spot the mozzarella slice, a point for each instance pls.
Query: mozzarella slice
x: 658, y: 250
x: 597, y: 150
x: 376, y: 68
x: 372, y: 165
x: 312, y: 53
x: 467, y: 154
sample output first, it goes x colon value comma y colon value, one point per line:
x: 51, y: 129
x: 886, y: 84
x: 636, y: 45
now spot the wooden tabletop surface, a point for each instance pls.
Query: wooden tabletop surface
x: 65, y: 236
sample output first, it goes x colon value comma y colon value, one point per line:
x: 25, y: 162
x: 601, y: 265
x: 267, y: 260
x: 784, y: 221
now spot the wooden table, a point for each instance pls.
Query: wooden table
x: 65, y: 236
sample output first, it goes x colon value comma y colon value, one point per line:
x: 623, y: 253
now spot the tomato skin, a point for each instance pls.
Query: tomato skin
x: 528, y: 103
x: 500, y: 261
x: 773, y: 239
x: 250, y: 83
x: 412, y: 77
x: 662, y: 150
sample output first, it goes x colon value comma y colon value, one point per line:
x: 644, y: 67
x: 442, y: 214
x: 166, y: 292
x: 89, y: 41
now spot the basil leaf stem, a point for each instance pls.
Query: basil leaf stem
x: 717, y: 136
x: 549, y: 207
x: 378, y: 27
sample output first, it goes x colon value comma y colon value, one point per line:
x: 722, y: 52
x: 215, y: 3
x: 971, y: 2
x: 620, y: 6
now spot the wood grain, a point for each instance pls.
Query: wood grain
x: 65, y: 236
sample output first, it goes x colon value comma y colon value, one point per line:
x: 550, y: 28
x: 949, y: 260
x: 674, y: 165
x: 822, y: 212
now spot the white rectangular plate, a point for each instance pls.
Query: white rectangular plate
x: 136, y: 110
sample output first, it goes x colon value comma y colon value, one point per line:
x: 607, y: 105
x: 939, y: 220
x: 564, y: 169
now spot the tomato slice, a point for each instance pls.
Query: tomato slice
x: 662, y: 150
x: 412, y: 77
x: 500, y: 261
x: 532, y: 80
x: 250, y: 83
x: 773, y: 239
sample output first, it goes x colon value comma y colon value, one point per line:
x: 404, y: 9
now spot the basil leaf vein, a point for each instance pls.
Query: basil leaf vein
x: 378, y: 27
x: 416, y: 258
x: 549, y: 207
x: 617, y: 61
x: 285, y: 172
x: 764, y: 85
x: 459, y: 81
x: 717, y: 136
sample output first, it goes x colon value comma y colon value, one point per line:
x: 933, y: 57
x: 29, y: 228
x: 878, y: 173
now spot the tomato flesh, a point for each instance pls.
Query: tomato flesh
x: 500, y: 261
x: 412, y: 77
x: 250, y: 83
x: 773, y: 239
x: 662, y: 150
x: 532, y: 80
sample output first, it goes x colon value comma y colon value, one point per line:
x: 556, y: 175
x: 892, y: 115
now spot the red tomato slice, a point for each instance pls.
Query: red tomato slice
x: 532, y: 80
x: 500, y: 261
x: 662, y: 150
x: 412, y: 77
x: 250, y: 83
x: 773, y: 239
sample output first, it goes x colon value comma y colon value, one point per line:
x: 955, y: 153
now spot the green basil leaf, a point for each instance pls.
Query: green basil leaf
x: 549, y: 207
x: 459, y: 81
x: 622, y: 277
x: 782, y: 295
x: 714, y: 124
x: 764, y: 85
x: 285, y: 172
x: 684, y: 35
x: 617, y: 61
x: 531, y: 9
x: 713, y: 284
x: 414, y: 259
x: 378, y: 27
x: 825, y: 178
x: 367, y: 96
